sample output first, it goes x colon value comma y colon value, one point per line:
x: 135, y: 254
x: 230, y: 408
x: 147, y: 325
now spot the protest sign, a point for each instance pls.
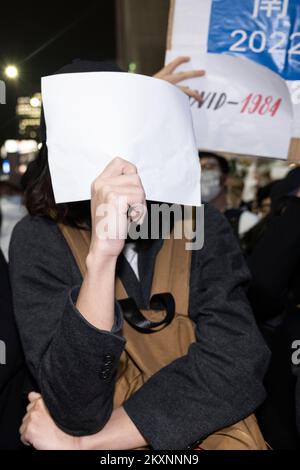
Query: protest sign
x: 93, y: 117
x: 266, y: 32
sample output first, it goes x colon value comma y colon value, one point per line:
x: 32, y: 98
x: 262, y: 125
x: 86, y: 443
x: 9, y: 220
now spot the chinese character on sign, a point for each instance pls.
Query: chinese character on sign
x: 279, y: 7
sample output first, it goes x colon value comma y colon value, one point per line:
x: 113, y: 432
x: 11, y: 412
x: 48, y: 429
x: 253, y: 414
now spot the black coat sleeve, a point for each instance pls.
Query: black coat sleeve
x: 219, y: 381
x: 73, y: 362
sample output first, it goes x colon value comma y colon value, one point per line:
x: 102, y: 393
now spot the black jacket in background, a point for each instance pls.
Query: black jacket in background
x: 275, y: 264
x: 12, y: 402
x: 216, y: 384
x: 275, y: 297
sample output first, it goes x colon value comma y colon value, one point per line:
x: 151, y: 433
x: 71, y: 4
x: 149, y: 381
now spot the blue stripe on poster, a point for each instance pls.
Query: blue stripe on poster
x: 266, y: 31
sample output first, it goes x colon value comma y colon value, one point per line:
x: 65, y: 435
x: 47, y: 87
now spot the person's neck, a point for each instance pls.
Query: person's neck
x: 220, y: 202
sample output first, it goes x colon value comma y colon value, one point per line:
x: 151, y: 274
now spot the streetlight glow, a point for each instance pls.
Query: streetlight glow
x: 35, y: 102
x: 11, y: 71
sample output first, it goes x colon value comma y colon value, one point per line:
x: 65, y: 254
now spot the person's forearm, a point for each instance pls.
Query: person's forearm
x: 96, y: 297
x: 120, y: 433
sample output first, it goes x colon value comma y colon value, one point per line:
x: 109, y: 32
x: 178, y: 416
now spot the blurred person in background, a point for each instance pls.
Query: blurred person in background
x: 12, y: 210
x: 274, y: 261
x: 248, y: 218
x: 264, y: 201
x: 262, y: 208
x: 215, y: 172
x: 13, y: 371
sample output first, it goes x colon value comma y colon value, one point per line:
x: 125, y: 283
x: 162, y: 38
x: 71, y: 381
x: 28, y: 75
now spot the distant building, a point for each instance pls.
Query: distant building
x: 28, y: 112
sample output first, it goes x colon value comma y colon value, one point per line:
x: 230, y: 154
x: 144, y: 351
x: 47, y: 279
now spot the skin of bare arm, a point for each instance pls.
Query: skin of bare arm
x: 39, y: 430
x: 117, y: 190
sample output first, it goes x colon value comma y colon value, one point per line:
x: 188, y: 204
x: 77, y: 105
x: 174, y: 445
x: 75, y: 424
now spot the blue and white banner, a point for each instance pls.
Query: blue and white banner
x: 267, y: 34
x: 266, y: 31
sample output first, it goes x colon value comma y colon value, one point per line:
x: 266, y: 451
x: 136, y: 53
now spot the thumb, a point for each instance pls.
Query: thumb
x: 32, y: 396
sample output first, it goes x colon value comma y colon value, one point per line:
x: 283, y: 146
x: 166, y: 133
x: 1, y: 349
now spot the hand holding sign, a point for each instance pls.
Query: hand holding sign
x: 245, y: 107
x: 168, y: 73
x: 264, y: 33
x: 118, y: 197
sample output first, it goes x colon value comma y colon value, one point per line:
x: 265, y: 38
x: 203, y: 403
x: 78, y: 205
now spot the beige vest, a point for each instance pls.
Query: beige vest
x: 145, y: 354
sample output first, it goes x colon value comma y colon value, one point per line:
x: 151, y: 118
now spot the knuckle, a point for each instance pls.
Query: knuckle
x: 30, y: 431
x: 137, y: 179
x: 34, y: 414
x: 106, y: 189
x: 134, y: 168
x: 118, y: 160
x: 27, y: 434
x: 39, y: 405
x: 130, y: 167
x: 141, y: 193
x: 111, y: 197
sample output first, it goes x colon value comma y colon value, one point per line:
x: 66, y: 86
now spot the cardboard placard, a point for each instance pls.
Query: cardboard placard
x: 244, y: 30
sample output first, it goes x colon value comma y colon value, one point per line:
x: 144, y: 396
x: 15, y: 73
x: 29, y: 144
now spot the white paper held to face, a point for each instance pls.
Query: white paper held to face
x: 92, y: 117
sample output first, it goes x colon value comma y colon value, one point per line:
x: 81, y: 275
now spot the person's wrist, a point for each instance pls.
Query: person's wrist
x: 89, y: 443
x: 74, y: 443
x: 97, y: 260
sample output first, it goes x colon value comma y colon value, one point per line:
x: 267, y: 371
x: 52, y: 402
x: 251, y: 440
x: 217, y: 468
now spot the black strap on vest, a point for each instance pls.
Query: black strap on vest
x: 139, y: 322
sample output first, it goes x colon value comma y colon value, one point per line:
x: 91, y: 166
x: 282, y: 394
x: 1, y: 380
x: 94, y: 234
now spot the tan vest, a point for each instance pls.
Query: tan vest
x: 145, y: 354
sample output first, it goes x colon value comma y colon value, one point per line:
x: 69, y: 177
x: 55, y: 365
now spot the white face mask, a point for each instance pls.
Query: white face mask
x: 210, y: 184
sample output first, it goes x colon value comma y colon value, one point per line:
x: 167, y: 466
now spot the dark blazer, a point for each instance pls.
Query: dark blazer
x: 216, y: 384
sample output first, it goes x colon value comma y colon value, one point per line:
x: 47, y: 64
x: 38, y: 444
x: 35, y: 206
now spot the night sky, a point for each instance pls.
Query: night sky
x: 26, y: 26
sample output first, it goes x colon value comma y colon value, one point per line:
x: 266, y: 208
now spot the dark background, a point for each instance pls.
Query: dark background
x: 85, y: 30
x: 41, y: 37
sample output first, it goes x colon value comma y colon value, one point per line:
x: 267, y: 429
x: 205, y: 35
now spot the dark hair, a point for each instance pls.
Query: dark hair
x: 286, y: 186
x: 264, y: 192
x: 223, y: 163
x: 280, y: 193
x: 39, y: 197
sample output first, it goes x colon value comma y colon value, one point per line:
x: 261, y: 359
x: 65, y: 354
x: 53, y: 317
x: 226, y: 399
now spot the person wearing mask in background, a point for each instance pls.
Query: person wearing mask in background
x: 274, y: 261
x: 215, y: 172
x: 71, y: 327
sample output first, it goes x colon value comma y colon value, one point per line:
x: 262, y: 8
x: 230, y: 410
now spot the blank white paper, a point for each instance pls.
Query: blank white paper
x: 93, y: 117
